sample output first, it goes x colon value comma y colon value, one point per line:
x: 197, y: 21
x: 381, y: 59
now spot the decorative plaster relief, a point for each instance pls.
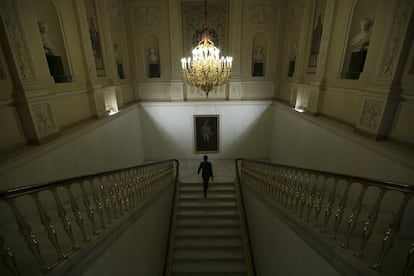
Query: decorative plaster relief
x: 371, y: 114
x: 177, y: 91
x: 396, y: 40
x: 330, y: 5
x: 296, y: 8
x: 193, y: 20
x: 119, y: 97
x: 16, y: 38
x: 43, y: 118
x: 114, y: 8
x: 235, y: 91
x: 262, y: 15
x: 148, y: 16
x: 313, y: 100
x: 99, y: 103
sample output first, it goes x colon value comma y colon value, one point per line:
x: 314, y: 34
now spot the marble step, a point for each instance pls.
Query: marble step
x: 208, y: 254
x: 210, y: 231
x: 200, y: 221
x: 209, y: 273
x: 207, y: 203
x: 208, y: 212
x: 211, y: 194
x: 212, y: 185
x: 209, y: 266
x: 208, y: 242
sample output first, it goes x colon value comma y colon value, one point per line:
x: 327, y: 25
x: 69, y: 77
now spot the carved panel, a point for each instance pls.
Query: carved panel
x: 262, y: 15
x: 114, y: 8
x: 149, y: 16
x: 235, y: 91
x: 16, y: 38
x: 325, y: 36
x: 99, y: 103
x: 177, y: 91
x: 193, y: 20
x: 370, y: 118
x: 396, y: 40
x: 43, y: 118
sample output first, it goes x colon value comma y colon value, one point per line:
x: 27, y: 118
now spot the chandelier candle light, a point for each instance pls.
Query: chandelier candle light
x: 206, y: 69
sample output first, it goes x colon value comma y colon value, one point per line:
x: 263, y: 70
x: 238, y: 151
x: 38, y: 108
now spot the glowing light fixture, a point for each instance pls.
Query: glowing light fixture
x: 206, y: 69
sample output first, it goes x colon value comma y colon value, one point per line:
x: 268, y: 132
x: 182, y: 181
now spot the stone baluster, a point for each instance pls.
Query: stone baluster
x: 78, y: 214
x: 49, y: 227
x: 369, y: 224
x: 29, y: 237
x: 340, y: 210
x: 7, y: 258
x: 66, y: 223
x: 354, y: 216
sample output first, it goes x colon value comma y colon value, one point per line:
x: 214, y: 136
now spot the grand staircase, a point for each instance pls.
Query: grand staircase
x: 208, y: 236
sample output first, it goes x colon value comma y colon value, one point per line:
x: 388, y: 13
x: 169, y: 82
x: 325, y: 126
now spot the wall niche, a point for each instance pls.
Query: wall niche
x: 50, y: 31
x: 358, y: 38
x: 151, y: 56
x: 259, y: 50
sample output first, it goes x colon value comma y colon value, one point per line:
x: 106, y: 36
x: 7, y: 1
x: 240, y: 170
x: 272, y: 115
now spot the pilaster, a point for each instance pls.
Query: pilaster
x: 382, y: 94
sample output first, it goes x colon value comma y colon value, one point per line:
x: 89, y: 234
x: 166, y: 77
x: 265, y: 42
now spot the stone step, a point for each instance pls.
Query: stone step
x: 210, y: 203
x: 199, y: 194
x: 208, y: 242
x: 201, y: 222
x: 211, y: 266
x: 207, y: 212
x: 212, y: 185
x: 211, y: 231
x: 208, y: 254
x: 209, y: 274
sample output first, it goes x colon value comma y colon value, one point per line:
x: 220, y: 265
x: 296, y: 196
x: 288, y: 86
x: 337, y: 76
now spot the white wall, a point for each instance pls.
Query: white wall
x: 314, y: 143
x: 110, y: 143
x: 168, y: 131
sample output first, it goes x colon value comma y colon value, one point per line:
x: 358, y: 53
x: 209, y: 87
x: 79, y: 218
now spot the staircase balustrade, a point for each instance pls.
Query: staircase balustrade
x: 72, y: 212
x: 372, y: 219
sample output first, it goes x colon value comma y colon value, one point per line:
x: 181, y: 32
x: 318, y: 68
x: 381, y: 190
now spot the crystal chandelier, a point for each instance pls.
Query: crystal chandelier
x: 206, y: 69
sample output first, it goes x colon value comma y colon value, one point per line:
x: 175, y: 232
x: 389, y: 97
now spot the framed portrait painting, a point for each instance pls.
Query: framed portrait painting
x: 206, y: 133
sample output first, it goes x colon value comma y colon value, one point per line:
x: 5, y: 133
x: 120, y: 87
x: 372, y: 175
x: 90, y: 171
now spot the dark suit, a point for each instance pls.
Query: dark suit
x: 207, y: 172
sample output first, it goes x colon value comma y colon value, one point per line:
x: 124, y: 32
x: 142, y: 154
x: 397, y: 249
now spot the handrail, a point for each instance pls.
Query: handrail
x: 80, y: 207
x: 373, y: 206
x: 172, y: 213
x: 402, y: 187
x: 9, y: 193
x: 245, y: 217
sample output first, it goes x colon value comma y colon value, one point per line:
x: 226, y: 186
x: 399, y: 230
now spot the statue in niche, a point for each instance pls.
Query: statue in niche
x: 316, y: 43
x: 118, y: 60
x: 359, y: 48
x: 292, y: 61
x: 291, y: 69
x: 258, y: 59
x: 154, y: 64
x: 49, y: 46
x: 95, y: 43
x: 54, y: 60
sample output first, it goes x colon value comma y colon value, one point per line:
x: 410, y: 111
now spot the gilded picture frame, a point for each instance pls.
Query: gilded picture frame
x: 206, y: 133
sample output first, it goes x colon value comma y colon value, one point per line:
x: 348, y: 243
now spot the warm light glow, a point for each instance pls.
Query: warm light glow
x: 299, y: 109
x: 206, y: 69
x: 112, y: 112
